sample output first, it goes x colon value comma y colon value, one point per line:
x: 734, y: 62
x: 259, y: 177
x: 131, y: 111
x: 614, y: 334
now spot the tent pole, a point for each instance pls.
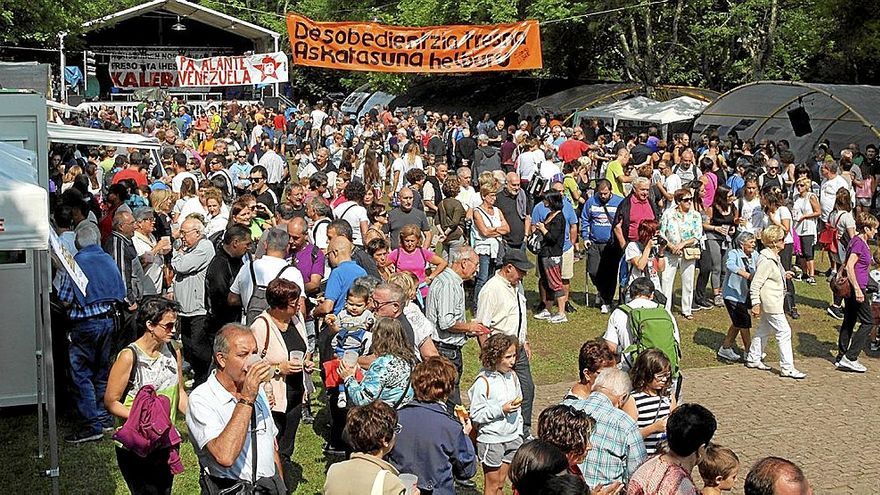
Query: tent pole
x: 41, y: 373
x: 44, y: 323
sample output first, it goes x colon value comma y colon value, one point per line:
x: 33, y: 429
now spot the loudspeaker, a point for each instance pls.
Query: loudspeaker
x: 800, y: 121
x: 272, y: 102
x: 74, y: 100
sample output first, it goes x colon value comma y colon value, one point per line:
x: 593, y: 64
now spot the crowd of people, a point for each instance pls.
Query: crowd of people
x: 268, y: 246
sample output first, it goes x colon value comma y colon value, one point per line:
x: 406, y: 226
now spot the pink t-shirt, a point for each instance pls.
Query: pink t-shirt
x: 639, y: 211
x: 711, y: 186
x: 414, y: 263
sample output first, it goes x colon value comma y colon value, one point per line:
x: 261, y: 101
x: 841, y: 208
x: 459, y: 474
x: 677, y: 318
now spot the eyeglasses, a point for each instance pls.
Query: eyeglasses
x: 377, y: 304
x: 257, y: 179
x: 684, y: 200
x: 166, y: 326
x: 398, y: 428
x: 662, y: 377
x: 187, y: 232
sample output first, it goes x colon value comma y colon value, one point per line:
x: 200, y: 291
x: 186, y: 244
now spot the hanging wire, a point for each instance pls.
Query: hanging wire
x: 603, y: 12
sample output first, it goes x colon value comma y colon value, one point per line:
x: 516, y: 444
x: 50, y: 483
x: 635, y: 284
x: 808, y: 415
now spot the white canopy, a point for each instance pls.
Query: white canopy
x: 642, y: 109
x: 24, y: 205
x: 70, y: 134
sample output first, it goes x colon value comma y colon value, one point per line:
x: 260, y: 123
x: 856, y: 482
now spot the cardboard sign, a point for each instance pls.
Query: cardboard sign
x: 368, y: 46
x: 234, y: 70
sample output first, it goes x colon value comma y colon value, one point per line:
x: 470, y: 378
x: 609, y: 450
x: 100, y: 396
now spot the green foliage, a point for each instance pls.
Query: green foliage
x: 712, y: 43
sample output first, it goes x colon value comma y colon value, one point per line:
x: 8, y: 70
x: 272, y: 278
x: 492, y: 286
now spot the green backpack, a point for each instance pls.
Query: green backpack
x: 651, y: 327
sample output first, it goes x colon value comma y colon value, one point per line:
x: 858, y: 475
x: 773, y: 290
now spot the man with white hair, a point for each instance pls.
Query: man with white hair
x: 190, y: 263
x: 445, y: 308
x: 618, y: 449
x: 91, y: 330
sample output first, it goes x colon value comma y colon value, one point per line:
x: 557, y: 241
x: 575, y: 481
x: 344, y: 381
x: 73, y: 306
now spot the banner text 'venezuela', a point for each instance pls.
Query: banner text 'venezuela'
x: 375, y: 47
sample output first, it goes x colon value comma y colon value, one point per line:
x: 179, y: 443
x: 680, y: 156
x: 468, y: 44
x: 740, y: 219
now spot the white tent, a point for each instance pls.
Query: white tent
x: 70, y: 134
x: 24, y: 205
x: 642, y: 109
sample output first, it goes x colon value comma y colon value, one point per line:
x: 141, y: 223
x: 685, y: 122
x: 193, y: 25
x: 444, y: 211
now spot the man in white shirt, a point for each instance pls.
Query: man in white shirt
x: 317, y: 116
x: 528, y: 161
x: 181, y: 173
x: 269, y: 267
x: 668, y: 185
x: 617, y: 334
x: 832, y: 182
x: 467, y: 196
x: 501, y: 307
x: 221, y: 410
x: 548, y: 168
x: 276, y: 166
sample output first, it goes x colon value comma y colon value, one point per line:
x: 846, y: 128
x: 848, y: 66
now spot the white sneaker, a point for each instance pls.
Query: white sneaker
x: 558, y: 318
x: 846, y: 364
x: 758, y: 365
x: 792, y: 373
x: 341, y: 403
x: 605, y: 309
x: 728, y: 354
x: 543, y: 315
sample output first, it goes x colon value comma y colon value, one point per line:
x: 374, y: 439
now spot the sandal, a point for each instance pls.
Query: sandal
x: 688, y: 317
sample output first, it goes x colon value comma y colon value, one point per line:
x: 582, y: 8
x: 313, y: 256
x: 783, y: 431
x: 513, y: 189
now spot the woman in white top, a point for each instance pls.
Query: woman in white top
x: 776, y: 213
x: 217, y: 213
x: 645, y: 257
x: 189, y: 202
x: 353, y: 212
x: 489, y: 226
x: 806, y: 214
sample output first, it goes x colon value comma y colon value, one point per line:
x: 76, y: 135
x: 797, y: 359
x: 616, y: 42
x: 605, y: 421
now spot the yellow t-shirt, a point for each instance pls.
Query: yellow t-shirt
x: 612, y: 173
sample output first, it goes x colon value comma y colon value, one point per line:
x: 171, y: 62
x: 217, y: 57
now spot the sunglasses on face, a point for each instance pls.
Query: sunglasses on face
x: 256, y: 179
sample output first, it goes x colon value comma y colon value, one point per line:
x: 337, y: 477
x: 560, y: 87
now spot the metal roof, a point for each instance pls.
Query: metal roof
x: 187, y: 10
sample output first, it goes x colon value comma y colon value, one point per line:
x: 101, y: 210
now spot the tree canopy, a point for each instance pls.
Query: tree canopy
x: 716, y: 44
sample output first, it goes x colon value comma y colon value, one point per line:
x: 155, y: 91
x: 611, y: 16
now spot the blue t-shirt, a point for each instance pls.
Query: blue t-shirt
x: 340, y: 281
x: 540, y: 212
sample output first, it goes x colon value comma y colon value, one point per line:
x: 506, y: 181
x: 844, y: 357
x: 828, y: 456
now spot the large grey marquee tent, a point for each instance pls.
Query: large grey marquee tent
x: 841, y: 114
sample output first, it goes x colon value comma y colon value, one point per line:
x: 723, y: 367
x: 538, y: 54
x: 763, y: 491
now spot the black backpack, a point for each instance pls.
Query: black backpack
x: 257, y: 303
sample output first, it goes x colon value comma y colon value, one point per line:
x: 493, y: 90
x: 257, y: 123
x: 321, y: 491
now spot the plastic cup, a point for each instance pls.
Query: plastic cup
x: 410, y: 482
x: 252, y: 360
x: 297, y: 356
x: 350, y: 358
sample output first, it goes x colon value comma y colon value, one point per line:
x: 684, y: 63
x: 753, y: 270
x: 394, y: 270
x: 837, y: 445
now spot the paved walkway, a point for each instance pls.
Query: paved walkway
x: 828, y: 424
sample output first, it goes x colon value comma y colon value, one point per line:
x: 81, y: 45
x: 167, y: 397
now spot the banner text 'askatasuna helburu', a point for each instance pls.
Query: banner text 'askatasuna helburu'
x: 233, y: 70
x: 368, y: 46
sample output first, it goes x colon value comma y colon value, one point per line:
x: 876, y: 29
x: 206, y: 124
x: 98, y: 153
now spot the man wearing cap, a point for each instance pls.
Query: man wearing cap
x: 501, y: 307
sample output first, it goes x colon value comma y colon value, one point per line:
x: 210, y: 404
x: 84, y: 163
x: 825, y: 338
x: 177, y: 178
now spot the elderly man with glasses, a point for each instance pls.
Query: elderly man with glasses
x: 190, y: 263
x: 445, y: 308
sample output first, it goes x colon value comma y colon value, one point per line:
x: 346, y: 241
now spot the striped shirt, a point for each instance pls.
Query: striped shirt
x: 651, y: 408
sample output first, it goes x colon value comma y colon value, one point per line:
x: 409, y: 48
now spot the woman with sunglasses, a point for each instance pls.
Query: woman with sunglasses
x: 149, y: 360
x: 682, y: 227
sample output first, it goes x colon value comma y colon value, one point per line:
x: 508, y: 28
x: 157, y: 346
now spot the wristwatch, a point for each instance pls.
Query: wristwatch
x: 246, y: 402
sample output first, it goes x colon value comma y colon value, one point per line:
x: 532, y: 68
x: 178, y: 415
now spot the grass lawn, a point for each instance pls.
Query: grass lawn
x: 91, y: 468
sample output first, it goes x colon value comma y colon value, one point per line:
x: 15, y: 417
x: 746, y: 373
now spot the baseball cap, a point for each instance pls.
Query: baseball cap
x: 518, y: 259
